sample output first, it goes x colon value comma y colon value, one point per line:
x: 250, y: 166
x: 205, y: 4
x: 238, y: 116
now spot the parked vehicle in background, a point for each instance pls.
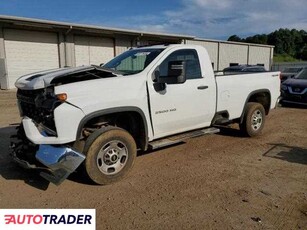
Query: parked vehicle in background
x: 294, y: 90
x: 289, y: 73
x: 147, y: 97
x: 242, y: 69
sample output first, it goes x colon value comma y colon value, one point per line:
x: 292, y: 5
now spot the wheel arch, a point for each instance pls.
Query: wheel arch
x: 133, y: 114
x: 262, y: 96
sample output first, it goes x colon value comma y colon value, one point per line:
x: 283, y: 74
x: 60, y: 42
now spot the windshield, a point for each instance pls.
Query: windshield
x: 133, y: 61
x: 302, y: 74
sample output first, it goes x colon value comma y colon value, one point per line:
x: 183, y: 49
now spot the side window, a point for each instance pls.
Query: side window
x: 193, y: 70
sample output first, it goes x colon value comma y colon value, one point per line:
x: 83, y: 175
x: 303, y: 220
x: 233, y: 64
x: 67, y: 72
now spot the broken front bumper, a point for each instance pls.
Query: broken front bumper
x: 57, y: 162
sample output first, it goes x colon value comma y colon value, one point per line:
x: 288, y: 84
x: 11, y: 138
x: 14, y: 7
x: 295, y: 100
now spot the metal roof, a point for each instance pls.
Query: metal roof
x: 109, y: 30
x: 56, y: 24
x: 231, y: 42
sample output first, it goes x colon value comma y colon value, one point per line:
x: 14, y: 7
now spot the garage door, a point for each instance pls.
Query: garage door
x: 93, y: 50
x: 29, y: 51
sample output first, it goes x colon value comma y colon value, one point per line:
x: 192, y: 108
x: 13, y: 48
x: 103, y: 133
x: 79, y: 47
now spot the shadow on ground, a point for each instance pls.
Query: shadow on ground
x: 295, y: 106
x: 230, y: 131
x: 80, y: 176
x: 10, y: 170
x: 284, y: 152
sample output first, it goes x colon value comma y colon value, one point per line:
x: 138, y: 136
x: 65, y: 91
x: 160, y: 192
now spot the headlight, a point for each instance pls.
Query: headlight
x: 284, y: 87
x: 62, y: 97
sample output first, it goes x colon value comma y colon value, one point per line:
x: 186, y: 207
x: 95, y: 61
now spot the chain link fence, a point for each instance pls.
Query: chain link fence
x: 280, y: 66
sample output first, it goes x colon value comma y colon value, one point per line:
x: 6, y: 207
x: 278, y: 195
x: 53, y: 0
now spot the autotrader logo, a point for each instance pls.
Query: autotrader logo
x: 47, y: 219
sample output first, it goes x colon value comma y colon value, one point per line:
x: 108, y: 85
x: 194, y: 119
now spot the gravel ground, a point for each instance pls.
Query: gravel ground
x: 221, y: 181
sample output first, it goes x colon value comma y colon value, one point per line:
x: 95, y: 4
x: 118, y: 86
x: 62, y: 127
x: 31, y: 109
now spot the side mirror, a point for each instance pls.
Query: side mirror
x: 101, y: 65
x: 159, y: 86
x: 176, y: 73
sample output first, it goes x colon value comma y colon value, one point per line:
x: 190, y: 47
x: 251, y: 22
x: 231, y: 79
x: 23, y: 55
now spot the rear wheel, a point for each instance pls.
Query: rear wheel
x: 253, y: 120
x: 110, y: 154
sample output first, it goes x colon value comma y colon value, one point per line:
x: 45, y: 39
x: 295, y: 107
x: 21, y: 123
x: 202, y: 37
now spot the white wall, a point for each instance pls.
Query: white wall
x: 122, y: 45
x: 93, y: 50
x: 231, y: 53
x: 28, y: 52
x: 212, y: 48
x: 223, y: 53
x: 260, y: 55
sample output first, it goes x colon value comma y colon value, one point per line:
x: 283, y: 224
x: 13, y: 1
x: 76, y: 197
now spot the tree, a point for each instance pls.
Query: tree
x: 287, y: 42
x: 284, y: 41
x: 275, y: 40
x: 234, y: 38
x: 258, y: 39
x: 303, y: 53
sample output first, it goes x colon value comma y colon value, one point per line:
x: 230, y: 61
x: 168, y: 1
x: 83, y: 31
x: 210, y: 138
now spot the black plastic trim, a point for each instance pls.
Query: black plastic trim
x: 110, y: 111
x: 215, y: 118
x: 250, y: 95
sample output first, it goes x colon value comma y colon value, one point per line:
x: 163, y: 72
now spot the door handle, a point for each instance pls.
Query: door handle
x: 203, y: 87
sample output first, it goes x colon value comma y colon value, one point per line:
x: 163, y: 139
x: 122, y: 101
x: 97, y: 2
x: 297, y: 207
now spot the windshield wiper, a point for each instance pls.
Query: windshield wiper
x: 109, y: 70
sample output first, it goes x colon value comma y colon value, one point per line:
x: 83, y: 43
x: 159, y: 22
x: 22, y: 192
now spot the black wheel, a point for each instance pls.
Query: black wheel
x: 110, y: 154
x: 253, y: 119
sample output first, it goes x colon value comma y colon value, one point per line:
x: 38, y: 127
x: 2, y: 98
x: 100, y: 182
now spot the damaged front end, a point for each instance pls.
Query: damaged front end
x: 37, y: 144
x: 56, y: 162
x: 50, y: 120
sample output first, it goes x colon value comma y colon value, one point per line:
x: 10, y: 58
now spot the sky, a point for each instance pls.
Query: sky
x: 212, y: 19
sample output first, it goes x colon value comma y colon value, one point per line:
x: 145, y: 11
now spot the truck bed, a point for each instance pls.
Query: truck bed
x: 234, y: 90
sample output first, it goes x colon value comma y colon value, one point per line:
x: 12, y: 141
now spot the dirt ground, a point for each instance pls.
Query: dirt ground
x: 221, y: 181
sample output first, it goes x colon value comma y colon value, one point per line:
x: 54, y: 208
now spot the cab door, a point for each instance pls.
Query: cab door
x: 179, y: 107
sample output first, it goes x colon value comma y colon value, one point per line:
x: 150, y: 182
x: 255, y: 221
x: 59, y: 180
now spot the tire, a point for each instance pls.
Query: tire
x: 253, y: 119
x: 110, y: 154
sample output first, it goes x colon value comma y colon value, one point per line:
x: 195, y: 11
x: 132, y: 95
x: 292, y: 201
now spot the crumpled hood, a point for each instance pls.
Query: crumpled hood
x: 46, y: 78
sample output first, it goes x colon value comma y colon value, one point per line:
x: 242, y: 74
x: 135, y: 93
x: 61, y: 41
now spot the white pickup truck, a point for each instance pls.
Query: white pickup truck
x: 95, y: 118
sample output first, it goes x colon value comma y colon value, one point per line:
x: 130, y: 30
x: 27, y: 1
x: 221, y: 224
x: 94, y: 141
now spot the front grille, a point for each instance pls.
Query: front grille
x: 26, y: 100
x: 31, y: 111
x: 39, y: 114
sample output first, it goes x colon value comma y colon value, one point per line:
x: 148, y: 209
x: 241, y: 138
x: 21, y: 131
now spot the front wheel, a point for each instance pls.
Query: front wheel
x: 110, y: 154
x: 253, y: 119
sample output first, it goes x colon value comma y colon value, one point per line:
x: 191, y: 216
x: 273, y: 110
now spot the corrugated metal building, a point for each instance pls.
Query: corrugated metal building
x: 224, y: 53
x: 30, y: 45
